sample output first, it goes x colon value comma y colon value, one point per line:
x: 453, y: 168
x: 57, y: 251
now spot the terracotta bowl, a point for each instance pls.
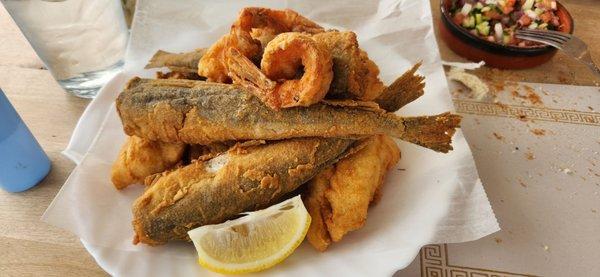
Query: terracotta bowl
x: 497, y: 55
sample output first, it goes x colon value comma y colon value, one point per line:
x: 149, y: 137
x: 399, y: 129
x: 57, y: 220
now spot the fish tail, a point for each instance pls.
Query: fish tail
x: 433, y: 132
x: 405, y: 89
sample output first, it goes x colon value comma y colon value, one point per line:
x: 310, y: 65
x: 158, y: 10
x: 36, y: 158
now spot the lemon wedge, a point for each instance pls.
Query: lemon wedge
x: 254, y: 242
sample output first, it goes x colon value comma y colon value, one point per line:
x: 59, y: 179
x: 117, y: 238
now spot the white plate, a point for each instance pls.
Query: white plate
x: 436, y: 198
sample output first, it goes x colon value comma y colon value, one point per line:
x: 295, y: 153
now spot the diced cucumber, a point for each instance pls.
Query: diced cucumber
x: 533, y: 25
x: 527, y: 6
x: 469, y: 22
x: 486, y: 9
x: 543, y: 26
x: 479, y: 5
x: 478, y: 18
x: 506, y: 39
x: 483, y: 28
x: 538, y: 11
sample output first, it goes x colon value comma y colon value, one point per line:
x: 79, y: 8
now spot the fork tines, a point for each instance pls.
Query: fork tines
x: 554, y: 38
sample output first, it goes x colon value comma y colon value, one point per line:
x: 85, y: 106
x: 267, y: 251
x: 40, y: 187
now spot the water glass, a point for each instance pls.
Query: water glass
x: 82, y: 42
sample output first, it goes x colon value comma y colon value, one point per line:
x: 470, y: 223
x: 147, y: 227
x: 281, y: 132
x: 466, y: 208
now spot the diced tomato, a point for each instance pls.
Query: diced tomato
x: 546, y: 17
x: 509, y: 6
x: 507, y: 9
x: 458, y: 18
x: 492, y: 14
x: 524, y: 20
x: 555, y: 21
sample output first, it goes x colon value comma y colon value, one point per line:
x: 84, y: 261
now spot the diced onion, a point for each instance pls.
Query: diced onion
x: 466, y: 9
x: 498, y: 31
x: 531, y: 14
x: 553, y: 5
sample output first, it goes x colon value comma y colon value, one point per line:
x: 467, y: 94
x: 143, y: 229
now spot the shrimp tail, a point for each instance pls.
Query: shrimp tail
x: 405, y: 89
x: 433, y: 132
x: 243, y: 72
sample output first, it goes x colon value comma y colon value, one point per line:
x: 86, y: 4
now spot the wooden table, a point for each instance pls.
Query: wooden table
x: 29, y: 247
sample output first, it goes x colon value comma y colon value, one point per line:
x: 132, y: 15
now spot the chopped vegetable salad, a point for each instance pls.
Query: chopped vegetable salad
x: 497, y: 20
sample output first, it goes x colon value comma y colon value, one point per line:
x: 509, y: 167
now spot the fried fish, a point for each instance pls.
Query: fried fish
x: 177, y: 62
x: 141, y: 157
x: 242, y: 179
x: 197, y: 112
x: 338, y: 198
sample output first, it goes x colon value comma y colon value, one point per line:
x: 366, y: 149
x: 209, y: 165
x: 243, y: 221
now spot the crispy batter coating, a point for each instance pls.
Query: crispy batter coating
x: 253, y: 29
x: 197, y: 112
x: 355, y: 75
x: 339, y: 197
x: 140, y: 158
x: 405, y: 89
x: 297, y: 71
x: 177, y: 62
x: 243, y: 179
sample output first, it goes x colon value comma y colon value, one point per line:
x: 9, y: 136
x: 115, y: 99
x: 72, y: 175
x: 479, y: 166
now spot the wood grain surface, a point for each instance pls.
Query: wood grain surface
x: 29, y: 247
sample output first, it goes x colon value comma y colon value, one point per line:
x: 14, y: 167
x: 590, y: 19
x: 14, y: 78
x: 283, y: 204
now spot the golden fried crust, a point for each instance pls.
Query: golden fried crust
x: 405, y: 89
x: 246, y: 178
x: 355, y: 76
x: 317, y: 206
x: 140, y: 158
x: 198, y: 112
x: 338, y: 198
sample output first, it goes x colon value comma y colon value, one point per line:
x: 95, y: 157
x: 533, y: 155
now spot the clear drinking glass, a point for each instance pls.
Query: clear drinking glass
x: 82, y: 42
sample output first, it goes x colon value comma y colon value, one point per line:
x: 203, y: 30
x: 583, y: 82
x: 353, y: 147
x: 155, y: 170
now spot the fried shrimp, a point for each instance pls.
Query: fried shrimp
x: 291, y: 54
x: 250, y: 33
x: 296, y: 71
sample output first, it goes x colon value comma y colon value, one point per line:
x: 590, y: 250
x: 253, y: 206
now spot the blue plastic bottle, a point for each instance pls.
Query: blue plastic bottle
x: 23, y: 163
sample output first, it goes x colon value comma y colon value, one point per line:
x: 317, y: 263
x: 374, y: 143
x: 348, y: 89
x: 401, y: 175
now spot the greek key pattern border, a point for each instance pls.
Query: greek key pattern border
x: 434, y: 263
x: 535, y: 113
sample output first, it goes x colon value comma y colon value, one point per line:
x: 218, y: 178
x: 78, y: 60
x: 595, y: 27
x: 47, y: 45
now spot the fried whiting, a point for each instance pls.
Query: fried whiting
x: 284, y: 58
x: 405, y: 89
x: 338, y: 198
x: 253, y: 28
x: 197, y: 112
x: 177, y: 62
x: 243, y: 179
x: 141, y: 157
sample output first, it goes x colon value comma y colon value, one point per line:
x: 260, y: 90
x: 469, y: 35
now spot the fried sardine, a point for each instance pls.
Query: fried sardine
x: 197, y: 112
x: 242, y: 179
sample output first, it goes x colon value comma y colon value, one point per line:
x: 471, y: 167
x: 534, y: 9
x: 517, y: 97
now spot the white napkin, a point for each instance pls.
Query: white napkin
x: 428, y: 198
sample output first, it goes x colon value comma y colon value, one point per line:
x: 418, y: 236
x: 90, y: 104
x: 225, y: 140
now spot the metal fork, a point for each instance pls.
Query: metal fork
x: 570, y: 44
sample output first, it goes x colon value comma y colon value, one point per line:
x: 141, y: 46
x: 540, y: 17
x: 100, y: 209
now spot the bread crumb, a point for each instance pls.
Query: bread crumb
x: 479, y: 89
x: 522, y: 183
x: 538, y: 132
x: 498, y: 136
x: 529, y: 156
x: 498, y: 240
x: 546, y: 247
x: 567, y: 171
